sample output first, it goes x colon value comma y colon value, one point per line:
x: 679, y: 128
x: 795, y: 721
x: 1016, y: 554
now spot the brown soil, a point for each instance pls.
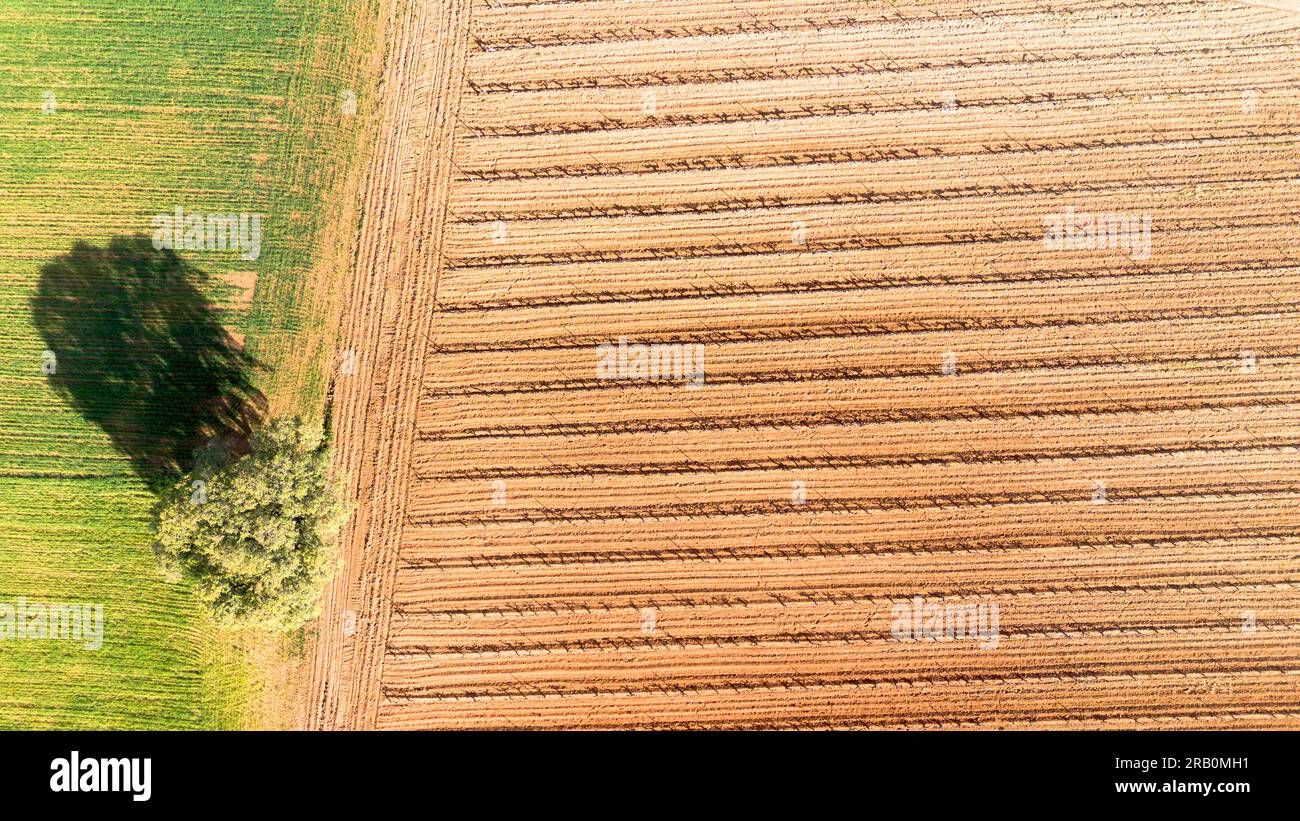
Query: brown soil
x: 907, y: 393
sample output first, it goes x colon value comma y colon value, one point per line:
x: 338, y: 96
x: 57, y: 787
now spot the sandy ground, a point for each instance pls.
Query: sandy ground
x: 935, y: 470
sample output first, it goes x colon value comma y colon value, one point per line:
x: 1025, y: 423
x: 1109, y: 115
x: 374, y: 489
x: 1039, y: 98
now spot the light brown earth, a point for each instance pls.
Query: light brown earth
x: 832, y: 197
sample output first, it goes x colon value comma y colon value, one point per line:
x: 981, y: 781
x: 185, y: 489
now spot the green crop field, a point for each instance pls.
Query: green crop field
x: 111, y: 112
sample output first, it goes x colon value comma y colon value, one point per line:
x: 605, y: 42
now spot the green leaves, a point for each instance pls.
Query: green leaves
x: 258, y: 542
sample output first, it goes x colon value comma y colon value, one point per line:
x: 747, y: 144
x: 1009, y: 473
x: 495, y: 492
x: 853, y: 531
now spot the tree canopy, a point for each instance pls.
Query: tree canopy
x: 256, y: 535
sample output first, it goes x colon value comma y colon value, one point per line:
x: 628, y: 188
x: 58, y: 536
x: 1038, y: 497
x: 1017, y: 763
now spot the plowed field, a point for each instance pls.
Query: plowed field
x: 911, y: 401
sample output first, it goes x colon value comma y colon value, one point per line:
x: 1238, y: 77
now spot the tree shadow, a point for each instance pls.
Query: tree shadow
x: 138, y: 349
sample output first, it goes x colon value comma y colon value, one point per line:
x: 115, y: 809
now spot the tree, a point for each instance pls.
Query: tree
x: 256, y: 535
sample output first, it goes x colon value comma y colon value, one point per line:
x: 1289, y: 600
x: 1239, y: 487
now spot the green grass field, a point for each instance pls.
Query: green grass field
x: 112, y: 111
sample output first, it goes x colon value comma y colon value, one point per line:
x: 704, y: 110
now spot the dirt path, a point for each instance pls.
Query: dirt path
x: 387, y: 324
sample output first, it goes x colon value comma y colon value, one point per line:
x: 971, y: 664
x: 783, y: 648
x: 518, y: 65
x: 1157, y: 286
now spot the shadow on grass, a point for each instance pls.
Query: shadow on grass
x: 139, y: 350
